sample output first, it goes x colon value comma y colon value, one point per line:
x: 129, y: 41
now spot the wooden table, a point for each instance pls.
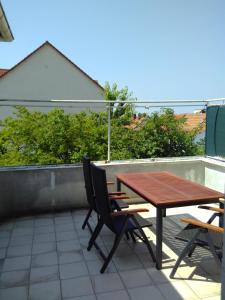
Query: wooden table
x: 165, y: 190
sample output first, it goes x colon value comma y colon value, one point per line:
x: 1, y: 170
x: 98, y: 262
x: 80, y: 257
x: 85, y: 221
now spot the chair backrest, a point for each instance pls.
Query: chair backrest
x: 88, y: 182
x: 101, y: 194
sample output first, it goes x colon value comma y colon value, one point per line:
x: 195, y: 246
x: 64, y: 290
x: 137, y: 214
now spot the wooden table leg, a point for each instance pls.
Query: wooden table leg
x: 159, y: 233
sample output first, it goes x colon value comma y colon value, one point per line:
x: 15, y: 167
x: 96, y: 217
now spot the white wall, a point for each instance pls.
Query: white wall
x: 215, y: 174
x: 48, y: 75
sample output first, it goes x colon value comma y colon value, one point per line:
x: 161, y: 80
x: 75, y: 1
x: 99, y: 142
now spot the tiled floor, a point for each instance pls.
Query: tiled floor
x: 45, y: 258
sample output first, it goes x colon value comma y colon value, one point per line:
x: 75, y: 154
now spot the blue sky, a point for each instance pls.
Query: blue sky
x: 160, y: 49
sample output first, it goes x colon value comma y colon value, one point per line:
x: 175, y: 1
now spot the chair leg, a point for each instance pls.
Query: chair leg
x: 211, y: 219
x: 109, y: 257
x: 212, y: 248
x: 127, y: 236
x: 114, y: 247
x: 191, y: 251
x: 95, y: 234
x: 87, y: 217
x: 146, y: 241
x: 133, y: 237
x: 183, y: 253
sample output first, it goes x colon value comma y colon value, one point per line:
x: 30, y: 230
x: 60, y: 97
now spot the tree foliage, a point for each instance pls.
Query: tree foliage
x: 57, y: 137
x: 123, y: 108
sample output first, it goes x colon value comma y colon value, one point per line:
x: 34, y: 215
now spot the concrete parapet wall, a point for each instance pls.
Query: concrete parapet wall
x: 36, y: 189
x: 33, y: 189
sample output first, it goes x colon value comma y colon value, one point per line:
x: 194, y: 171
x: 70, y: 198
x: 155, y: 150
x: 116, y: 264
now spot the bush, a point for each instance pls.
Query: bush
x: 56, y: 137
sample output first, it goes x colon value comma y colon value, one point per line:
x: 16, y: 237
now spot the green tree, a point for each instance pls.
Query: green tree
x: 122, y: 110
x: 164, y: 135
x: 57, y: 137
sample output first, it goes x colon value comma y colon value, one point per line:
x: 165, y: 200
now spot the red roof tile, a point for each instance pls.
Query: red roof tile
x: 3, y: 71
x: 193, y: 120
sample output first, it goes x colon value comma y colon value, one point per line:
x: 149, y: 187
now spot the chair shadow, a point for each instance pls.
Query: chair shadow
x: 171, y: 228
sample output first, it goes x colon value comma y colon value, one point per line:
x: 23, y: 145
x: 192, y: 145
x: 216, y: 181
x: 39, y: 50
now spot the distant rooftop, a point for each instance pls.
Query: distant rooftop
x: 193, y: 120
x: 3, y: 71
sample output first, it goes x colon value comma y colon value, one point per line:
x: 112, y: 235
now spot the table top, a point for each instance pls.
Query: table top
x: 164, y: 189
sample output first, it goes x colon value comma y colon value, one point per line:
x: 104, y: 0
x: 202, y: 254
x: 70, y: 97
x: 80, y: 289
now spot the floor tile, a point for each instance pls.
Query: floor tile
x: 14, y: 251
x: 44, y: 222
x: 84, y: 233
x: 2, y: 253
x: 4, y: 234
x: 204, y: 289
x: 39, y: 248
x: 213, y: 298
x: 73, y: 270
x: 68, y: 246
x: 85, y: 240
x: 14, y: 278
x: 107, y: 282
x: 63, y: 220
x: 17, y: 263
x: 94, y: 267
x: 25, y: 223
x: 48, y: 273
x: 122, y: 250
x: 75, y: 287
x: 177, y: 291
x: 49, y: 290
x: 116, y: 295
x: 64, y: 227
x: 135, y: 278
x: 88, y: 297
x: 91, y: 255
x: 1, y: 264
x: 22, y: 231
x: 21, y: 240
x: 66, y: 235
x: 4, y: 241
x: 46, y: 259
x: 128, y: 262
x: 130, y: 275
x: 44, y: 229
x: 161, y: 276
x: 70, y: 257
x: 145, y: 293
x: 18, y: 293
x: 44, y: 237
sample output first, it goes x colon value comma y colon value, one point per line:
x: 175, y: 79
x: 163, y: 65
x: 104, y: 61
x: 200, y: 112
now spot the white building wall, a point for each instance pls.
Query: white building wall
x: 215, y: 174
x: 47, y: 75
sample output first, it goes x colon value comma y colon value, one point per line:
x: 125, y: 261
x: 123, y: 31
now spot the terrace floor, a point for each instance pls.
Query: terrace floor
x: 45, y: 257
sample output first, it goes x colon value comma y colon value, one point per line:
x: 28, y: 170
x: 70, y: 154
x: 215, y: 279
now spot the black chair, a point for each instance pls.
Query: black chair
x: 201, y: 234
x: 114, y: 196
x: 119, y: 222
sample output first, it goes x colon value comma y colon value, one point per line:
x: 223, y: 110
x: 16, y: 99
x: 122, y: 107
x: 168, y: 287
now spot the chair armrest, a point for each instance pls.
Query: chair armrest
x: 126, y: 212
x: 117, y: 193
x: 216, y: 209
x: 202, y: 225
x: 118, y: 197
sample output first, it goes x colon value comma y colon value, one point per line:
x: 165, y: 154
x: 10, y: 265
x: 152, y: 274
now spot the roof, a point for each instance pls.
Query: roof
x: 135, y: 123
x: 193, y: 120
x: 3, y: 71
x: 5, y: 30
x: 53, y: 47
